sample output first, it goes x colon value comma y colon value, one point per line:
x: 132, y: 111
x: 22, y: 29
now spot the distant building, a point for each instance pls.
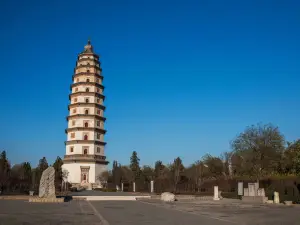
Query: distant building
x: 84, y: 159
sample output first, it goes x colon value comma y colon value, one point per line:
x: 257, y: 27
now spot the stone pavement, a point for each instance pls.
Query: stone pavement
x: 100, y: 193
x: 235, y: 211
x: 144, y: 212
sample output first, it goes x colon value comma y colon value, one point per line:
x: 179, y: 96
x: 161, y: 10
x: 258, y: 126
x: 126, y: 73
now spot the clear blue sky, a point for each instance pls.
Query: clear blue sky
x: 182, y: 78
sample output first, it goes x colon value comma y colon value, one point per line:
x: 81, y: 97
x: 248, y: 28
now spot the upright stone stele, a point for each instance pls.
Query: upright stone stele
x: 47, y: 187
x: 133, y: 186
x: 241, y: 188
x: 152, y: 186
x: 251, y: 187
x: 216, y: 193
x: 122, y: 186
x: 276, y: 197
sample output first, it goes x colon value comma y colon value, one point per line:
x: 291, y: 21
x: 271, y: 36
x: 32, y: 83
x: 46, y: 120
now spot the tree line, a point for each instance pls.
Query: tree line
x: 259, y: 152
x: 22, y: 178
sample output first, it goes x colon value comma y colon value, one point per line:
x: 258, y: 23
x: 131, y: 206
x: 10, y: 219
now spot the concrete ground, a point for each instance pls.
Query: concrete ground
x: 100, y: 193
x: 235, y: 211
x: 145, y: 212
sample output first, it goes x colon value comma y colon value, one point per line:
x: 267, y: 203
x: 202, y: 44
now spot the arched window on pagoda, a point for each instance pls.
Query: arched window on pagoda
x: 87, y: 80
x: 85, y: 138
x: 86, y: 112
x: 87, y: 100
x: 85, y: 151
x: 87, y: 90
x: 86, y: 124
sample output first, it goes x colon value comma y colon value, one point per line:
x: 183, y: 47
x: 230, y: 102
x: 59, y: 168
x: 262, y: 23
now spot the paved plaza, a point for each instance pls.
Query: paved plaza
x: 145, y: 212
x: 100, y: 193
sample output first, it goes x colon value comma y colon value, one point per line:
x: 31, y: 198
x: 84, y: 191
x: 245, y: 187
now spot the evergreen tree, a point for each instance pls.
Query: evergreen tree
x: 177, y: 169
x: 116, y: 173
x: 43, y: 164
x: 158, y: 169
x: 26, y: 168
x: 4, y: 170
x: 135, y: 165
x: 37, y: 173
x: 58, y: 171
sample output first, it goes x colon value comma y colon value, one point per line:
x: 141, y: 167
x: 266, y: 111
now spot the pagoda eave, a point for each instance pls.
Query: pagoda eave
x: 87, y: 66
x: 76, y: 94
x: 76, y: 116
x: 85, y: 142
x: 86, y: 83
x: 99, y: 130
x: 88, y: 60
x: 88, y: 74
x: 76, y: 158
x: 89, y: 54
x: 96, y: 161
x: 98, y: 106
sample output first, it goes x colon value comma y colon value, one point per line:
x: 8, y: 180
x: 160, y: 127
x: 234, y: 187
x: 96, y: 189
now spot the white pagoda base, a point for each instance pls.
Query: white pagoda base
x: 83, y: 173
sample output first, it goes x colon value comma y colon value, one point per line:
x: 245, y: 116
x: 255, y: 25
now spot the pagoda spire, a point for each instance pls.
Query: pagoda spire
x: 88, y: 48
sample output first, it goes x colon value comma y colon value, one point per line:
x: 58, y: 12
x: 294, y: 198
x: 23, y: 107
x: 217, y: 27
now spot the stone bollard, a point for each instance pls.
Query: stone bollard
x: 133, y: 186
x: 152, y: 186
x: 240, y: 188
x: 122, y: 186
x: 276, y: 197
x: 216, y: 193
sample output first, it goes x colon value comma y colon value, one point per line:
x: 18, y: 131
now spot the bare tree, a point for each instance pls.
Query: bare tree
x: 260, y: 147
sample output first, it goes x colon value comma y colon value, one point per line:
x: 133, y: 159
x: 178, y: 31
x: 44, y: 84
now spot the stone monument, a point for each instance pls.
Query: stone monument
x: 261, y: 192
x: 47, y: 187
x: 216, y: 193
x: 152, y: 186
x: 240, y: 188
x: 251, y: 187
x: 254, y: 194
x: 167, y: 197
x: 276, y: 197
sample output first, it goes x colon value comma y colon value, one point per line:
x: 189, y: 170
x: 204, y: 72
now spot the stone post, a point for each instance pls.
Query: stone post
x: 276, y: 197
x: 152, y: 186
x: 133, y: 186
x: 122, y: 186
x: 216, y: 193
x: 240, y: 188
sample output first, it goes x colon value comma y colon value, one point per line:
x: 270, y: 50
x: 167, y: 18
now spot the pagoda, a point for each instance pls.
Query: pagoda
x: 84, y: 160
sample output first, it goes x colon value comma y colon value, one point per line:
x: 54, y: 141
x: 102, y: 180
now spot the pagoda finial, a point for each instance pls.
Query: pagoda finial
x: 88, y: 48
